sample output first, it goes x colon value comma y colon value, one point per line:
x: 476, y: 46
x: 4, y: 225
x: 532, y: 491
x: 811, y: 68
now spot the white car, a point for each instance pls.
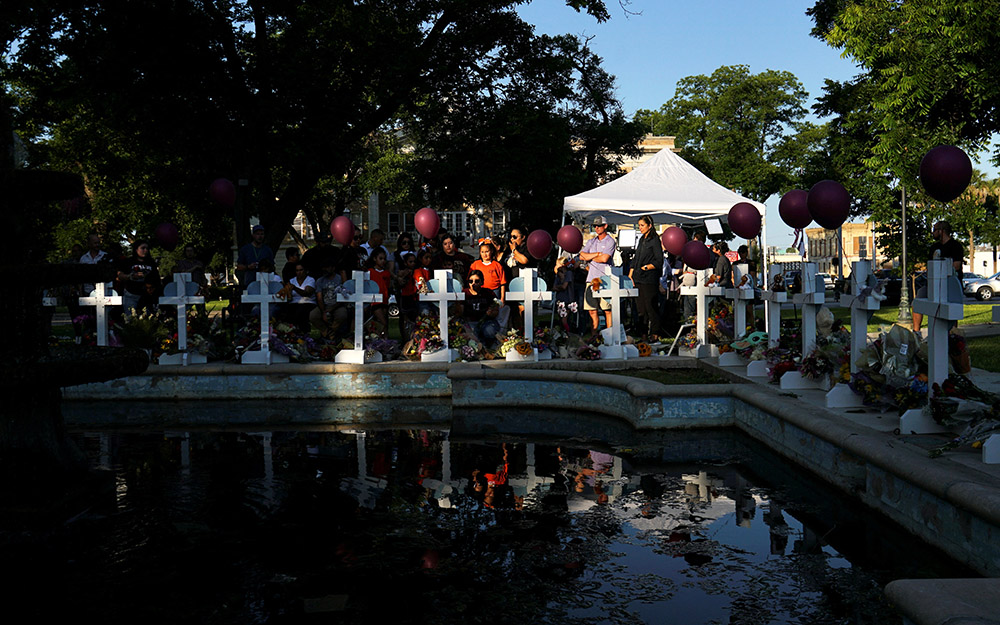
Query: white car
x: 828, y: 282
x: 983, y: 288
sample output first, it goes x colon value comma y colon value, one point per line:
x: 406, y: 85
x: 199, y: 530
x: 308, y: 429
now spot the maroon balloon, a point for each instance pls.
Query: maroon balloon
x: 829, y: 204
x: 222, y: 191
x: 342, y: 230
x: 945, y: 172
x: 539, y: 244
x: 794, y: 209
x: 570, y: 238
x: 166, y: 235
x: 696, y: 255
x: 427, y: 222
x: 744, y: 220
x: 673, y: 240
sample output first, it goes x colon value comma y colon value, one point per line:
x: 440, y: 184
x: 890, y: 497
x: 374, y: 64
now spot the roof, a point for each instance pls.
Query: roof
x: 665, y: 185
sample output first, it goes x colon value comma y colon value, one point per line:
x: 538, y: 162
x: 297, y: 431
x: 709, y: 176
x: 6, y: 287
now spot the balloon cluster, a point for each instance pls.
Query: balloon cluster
x: 827, y: 203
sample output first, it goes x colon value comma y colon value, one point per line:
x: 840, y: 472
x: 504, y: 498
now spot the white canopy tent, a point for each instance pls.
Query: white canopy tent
x: 666, y: 187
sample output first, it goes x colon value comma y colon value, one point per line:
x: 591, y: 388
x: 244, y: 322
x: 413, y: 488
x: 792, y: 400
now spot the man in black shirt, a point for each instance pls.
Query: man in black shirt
x: 945, y: 247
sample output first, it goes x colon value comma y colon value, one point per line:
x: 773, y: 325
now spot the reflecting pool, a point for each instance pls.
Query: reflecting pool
x: 425, y: 525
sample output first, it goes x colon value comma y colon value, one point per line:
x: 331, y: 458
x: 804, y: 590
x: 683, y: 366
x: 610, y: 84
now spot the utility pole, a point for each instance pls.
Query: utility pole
x: 904, y: 291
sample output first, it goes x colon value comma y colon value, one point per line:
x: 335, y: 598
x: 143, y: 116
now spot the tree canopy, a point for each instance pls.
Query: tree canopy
x: 312, y: 103
x: 738, y: 128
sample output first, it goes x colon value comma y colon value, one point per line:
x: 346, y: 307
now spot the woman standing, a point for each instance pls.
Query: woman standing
x: 135, y: 273
x: 647, y: 267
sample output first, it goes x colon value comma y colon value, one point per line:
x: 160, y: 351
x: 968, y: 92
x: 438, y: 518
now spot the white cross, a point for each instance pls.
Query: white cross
x: 861, y: 277
x: 181, y: 292
x: 702, y: 293
x: 942, y: 305
x: 444, y: 289
x: 615, y: 286
x: 772, y: 307
x: 368, y: 294
x: 812, y: 298
x: 263, y: 291
x: 740, y: 296
x: 529, y: 288
x: 99, y: 298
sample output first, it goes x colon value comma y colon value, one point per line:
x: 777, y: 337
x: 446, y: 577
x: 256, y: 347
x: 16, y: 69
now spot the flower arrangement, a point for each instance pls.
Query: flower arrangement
x: 780, y: 360
x: 426, y: 337
x: 144, y: 330
x: 588, y: 352
x: 827, y: 358
x: 892, y: 371
x: 512, y: 340
x: 959, y: 402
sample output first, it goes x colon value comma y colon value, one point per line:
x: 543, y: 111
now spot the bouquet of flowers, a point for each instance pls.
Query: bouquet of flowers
x: 426, y: 337
x: 514, y: 340
x: 144, y: 330
x: 960, y: 402
x: 588, y: 352
x: 829, y: 355
x: 779, y: 361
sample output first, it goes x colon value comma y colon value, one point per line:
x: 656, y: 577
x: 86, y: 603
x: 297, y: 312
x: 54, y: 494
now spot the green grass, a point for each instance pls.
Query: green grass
x: 984, y: 352
x: 888, y: 315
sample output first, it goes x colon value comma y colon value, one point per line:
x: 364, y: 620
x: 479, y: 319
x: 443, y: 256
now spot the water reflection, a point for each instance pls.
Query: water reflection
x: 273, y: 526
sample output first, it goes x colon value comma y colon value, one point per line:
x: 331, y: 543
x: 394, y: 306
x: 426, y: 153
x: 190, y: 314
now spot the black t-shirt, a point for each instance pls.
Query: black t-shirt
x: 724, y: 269
x: 951, y: 249
x: 138, y: 271
x: 475, y: 306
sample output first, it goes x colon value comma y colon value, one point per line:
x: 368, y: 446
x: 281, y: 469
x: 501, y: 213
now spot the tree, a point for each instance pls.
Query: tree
x: 151, y: 101
x: 931, y: 65
x: 735, y: 126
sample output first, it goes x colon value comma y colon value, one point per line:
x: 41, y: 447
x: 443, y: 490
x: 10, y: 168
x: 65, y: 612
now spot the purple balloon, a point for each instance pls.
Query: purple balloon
x: 342, y: 230
x: 794, y: 209
x: 570, y: 239
x: 223, y: 191
x: 166, y: 235
x: 696, y: 255
x: 427, y: 222
x: 744, y: 220
x: 945, y: 172
x: 829, y: 204
x: 673, y: 240
x: 539, y: 244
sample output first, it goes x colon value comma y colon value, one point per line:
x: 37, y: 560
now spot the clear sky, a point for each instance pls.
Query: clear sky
x: 670, y: 39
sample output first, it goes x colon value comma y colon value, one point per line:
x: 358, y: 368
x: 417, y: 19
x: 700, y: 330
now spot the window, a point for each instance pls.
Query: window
x: 393, y: 224
x: 408, y: 222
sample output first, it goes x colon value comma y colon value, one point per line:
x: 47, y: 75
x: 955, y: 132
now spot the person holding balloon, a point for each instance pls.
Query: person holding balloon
x: 645, y: 273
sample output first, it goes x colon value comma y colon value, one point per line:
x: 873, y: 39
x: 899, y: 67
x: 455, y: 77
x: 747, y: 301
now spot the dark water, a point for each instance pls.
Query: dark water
x: 426, y: 526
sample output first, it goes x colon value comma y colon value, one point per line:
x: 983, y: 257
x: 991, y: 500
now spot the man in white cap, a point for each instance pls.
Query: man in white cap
x: 598, y: 252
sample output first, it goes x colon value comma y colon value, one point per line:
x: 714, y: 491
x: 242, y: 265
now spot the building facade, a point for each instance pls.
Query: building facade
x: 856, y: 242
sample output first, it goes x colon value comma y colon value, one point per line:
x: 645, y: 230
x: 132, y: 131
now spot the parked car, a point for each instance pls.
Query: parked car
x: 984, y: 288
x: 968, y: 277
x: 828, y: 281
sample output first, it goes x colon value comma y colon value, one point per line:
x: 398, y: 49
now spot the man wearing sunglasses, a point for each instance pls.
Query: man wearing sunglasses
x: 598, y: 252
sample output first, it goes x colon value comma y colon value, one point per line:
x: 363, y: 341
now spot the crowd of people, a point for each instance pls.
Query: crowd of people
x: 311, y: 281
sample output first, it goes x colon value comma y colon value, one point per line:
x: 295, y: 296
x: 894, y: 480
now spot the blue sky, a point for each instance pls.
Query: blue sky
x: 670, y: 39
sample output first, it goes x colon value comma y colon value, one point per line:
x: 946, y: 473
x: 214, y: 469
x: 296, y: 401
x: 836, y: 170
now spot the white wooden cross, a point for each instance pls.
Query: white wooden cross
x: 443, y: 289
x: 529, y: 288
x: 263, y: 291
x: 368, y: 293
x: 740, y: 297
x: 182, y: 292
x: 773, y: 299
x: 101, y: 300
x: 942, y: 306
x: 702, y: 293
x: 841, y: 396
x: 812, y: 297
x: 615, y: 286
